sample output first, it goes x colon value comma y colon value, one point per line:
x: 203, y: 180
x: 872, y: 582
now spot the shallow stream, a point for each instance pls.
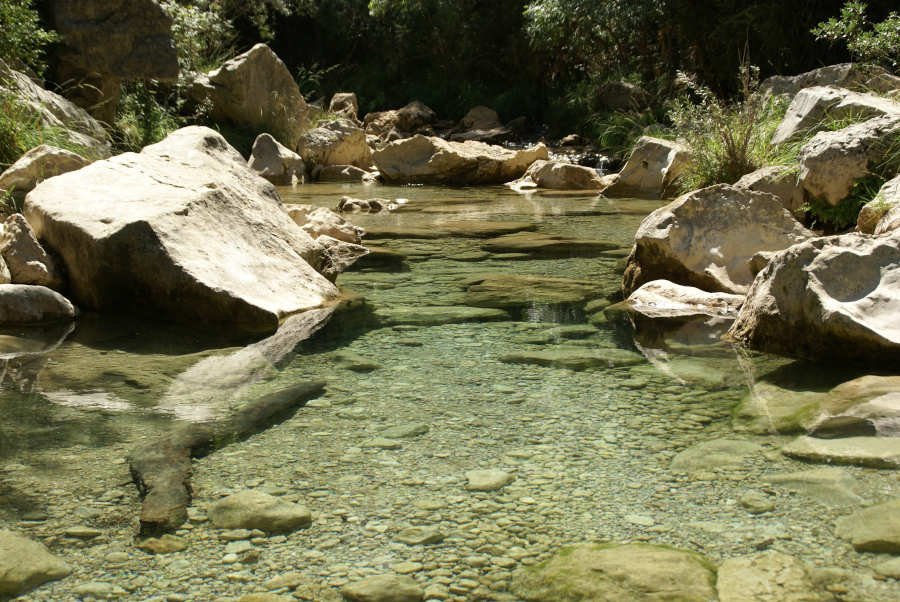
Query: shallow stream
x: 585, y: 414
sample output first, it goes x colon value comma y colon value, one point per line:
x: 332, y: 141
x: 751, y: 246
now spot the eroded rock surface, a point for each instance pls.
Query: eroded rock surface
x: 26, y: 564
x: 651, y: 170
x: 38, y: 164
x: 275, y: 162
x: 336, y: 142
x: 779, y: 180
x: 558, y: 175
x: 882, y: 214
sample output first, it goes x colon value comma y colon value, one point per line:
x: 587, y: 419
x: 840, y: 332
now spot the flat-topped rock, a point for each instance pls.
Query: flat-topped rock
x: 26, y: 564
x: 618, y: 573
x: 576, y: 358
x: 873, y: 529
x: 430, y: 160
x: 767, y: 577
x: 183, y: 230
x: 252, y: 509
x: 874, y: 452
x: 449, y: 229
x: 508, y: 291
x: 38, y: 164
x: 384, y: 588
x: 717, y: 453
x: 557, y: 175
x: 487, y: 480
x: 660, y: 299
x: 542, y: 245
x: 435, y: 315
x: 828, y: 486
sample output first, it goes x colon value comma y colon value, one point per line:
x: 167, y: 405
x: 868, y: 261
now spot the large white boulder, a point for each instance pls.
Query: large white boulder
x: 707, y: 238
x: 414, y: 118
x: 38, y: 164
x: 652, y: 169
x: 28, y: 304
x: 255, y: 90
x: 557, y: 175
x: 26, y: 259
x: 336, y: 142
x: 831, y: 297
x: 183, y: 229
x: 882, y: 214
x: 275, y: 162
x: 431, y: 160
x: 779, y: 180
x: 812, y: 105
x: 345, y: 104
x: 832, y: 162
x: 854, y: 76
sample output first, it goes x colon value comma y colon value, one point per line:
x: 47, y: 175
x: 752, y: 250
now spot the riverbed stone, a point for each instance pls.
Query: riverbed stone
x: 166, y: 544
x: 434, y: 315
x: 275, y: 162
x: 508, y: 291
x: 811, y: 106
x: 153, y: 230
x: 882, y: 214
x: 28, y: 304
x: 450, y: 229
x: 575, y: 358
x: 26, y: 564
x: 651, y: 171
x: 414, y: 118
x: 832, y: 162
x: 780, y: 180
x: 488, y: 480
x: 661, y: 299
x: 707, y: 237
x: 335, y: 142
x: 26, y: 259
x: 38, y: 164
x: 874, y: 452
x: 255, y: 90
x: 618, y: 573
x: 251, y: 509
x: 767, y: 577
x: 406, y: 431
x: 832, y: 297
x: 543, y: 245
x: 829, y: 486
x: 853, y: 76
x: 420, y: 536
x: 873, y: 529
x: 430, y: 160
x: 716, y: 453
x: 557, y: 175
x: 384, y: 588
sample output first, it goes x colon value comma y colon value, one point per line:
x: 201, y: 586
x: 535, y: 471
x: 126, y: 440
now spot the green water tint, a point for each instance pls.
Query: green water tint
x: 507, y: 359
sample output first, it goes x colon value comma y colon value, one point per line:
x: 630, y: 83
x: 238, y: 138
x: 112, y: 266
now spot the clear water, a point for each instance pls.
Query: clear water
x: 590, y: 449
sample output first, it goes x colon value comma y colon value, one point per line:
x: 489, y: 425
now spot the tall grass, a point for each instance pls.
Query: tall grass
x: 21, y: 129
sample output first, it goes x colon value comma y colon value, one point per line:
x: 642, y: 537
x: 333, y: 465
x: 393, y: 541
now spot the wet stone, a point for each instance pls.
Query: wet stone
x: 406, y: 431
x: 487, y: 480
x: 420, y: 536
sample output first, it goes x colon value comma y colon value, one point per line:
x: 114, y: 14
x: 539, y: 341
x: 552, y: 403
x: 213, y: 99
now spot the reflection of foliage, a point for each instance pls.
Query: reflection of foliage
x: 879, y: 43
x: 22, y: 39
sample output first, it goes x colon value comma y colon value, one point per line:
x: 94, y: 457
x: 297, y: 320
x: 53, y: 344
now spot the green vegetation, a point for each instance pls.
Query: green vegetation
x: 869, y: 42
x: 142, y: 119
x: 23, y: 41
x: 21, y: 129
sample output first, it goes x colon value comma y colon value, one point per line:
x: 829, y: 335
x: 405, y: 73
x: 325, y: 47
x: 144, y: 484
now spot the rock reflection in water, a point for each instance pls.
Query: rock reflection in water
x: 24, y: 350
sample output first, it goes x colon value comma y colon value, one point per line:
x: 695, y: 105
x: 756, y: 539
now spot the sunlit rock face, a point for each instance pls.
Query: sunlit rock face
x: 183, y: 230
x: 832, y: 297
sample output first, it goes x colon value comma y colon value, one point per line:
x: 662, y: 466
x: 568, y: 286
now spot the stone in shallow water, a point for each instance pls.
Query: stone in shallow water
x: 487, y: 480
x: 539, y: 244
x: 507, y: 291
x: 618, y: 573
x: 420, y: 536
x: 828, y: 486
x: 256, y: 510
x: 405, y: 431
x: 874, y: 452
x: 384, y: 588
x: 167, y: 544
x: 717, y: 453
x: 448, y: 229
x: 766, y: 577
x: 382, y: 443
x: 889, y: 568
x: 436, y: 315
x: 575, y: 358
x: 873, y: 529
x: 26, y: 564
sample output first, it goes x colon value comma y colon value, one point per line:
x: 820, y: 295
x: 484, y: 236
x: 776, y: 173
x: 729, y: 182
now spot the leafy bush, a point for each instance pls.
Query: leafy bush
x: 726, y: 140
x: 203, y: 37
x: 22, y: 39
x: 141, y: 118
x: 878, y: 44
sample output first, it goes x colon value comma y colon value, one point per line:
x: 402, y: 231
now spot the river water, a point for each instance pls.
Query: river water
x: 586, y: 417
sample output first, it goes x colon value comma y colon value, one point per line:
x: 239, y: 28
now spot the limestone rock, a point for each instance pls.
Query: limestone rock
x: 420, y: 536
x: 54, y: 111
x: 540, y: 244
x: 343, y: 173
x: 336, y: 142
x: 26, y: 564
x: 275, y: 162
x: 779, y: 180
x: 874, y: 452
x: 557, y: 175
x: 481, y: 124
x: 256, y: 90
x: 834, y: 297
x: 429, y: 160
x: 873, y: 529
x: 767, y: 577
x: 854, y: 76
x: 434, y: 315
x: 652, y: 169
x: 251, y: 509
x: 337, y: 256
x: 345, y: 104
x: 508, y: 291
x: 575, y: 358
x: 325, y: 222
x: 487, y: 480
x: 828, y: 486
x: 832, y: 162
x: 812, y: 105
x: 384, y: 588
x: 664, y: 299
x: 717, y: 453
x: 706, y: 238
x: 28, y: 304
x: 26, y: 259
x: 184, y: 229
x: 882, y: 214
x: 105, y: 42
x: 618, y: 573
x: 350, y: 205
x: 38, y: 164
x: 400, y: 123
